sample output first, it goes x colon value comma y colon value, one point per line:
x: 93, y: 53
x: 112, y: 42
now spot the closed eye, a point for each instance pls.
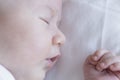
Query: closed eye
x: 44, y: 20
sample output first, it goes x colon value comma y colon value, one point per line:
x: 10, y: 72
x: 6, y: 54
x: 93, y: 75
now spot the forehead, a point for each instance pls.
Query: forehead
x: 53, y: 4
x: 9, y: 6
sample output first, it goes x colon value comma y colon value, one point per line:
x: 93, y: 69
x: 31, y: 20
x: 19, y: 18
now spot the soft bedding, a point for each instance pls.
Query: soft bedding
x: 88, y: 25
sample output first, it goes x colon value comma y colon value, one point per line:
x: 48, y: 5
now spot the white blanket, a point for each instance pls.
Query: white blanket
x: 88, y: 25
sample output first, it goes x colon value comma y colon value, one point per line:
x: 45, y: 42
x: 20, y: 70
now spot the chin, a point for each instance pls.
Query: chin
x: 38, y: 74
x: 42, y: 75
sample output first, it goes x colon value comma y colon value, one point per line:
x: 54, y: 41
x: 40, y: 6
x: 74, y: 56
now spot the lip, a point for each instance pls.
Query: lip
x: 51, y: 61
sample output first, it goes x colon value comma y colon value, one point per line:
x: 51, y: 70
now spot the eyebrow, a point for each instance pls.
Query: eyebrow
x: 54, y: 13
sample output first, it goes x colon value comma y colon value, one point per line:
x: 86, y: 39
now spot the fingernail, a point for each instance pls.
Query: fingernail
x: 95, y: 58
x: 112, y: 67
x: 98, y: 68
x: 102, y: 65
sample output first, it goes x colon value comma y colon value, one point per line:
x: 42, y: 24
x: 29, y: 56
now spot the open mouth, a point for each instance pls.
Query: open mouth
x: 51, y: 61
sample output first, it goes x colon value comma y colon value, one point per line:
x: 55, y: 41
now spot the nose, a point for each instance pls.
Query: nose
x: 59, y: 38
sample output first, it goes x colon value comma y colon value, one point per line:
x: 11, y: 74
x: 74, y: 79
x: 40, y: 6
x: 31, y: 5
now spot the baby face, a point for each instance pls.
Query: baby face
x: 29, y: 37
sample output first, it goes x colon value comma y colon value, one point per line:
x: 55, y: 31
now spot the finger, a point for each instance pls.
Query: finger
x: 88, y: 66
x: 87, y: 63
x: 92, y: 61
x: 89, y: 60
x: 117, y: 73
x: 115, y: 67
x: 107, y: 60
x: 98, y: 54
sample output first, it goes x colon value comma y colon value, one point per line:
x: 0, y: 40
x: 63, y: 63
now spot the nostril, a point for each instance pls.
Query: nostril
x: 59, y: 39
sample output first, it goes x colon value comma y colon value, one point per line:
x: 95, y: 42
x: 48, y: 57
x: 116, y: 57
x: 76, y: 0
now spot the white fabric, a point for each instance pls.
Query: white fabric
x: 5, y: 74
x: 88, y: 25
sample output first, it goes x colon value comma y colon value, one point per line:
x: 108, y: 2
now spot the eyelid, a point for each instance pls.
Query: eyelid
x: 44, y: 20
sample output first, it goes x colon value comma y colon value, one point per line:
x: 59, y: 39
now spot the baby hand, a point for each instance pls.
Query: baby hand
x: 102, y: 65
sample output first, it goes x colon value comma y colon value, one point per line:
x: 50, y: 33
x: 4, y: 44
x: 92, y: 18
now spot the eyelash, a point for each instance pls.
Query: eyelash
x: 44, y: 20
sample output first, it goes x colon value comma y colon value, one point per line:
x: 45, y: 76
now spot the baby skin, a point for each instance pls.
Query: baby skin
x: 102, y: 65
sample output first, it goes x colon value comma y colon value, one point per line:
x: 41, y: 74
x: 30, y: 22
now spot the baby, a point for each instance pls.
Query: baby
x: 102, y: 65
x: 29, y: 38
x: 30, y: 43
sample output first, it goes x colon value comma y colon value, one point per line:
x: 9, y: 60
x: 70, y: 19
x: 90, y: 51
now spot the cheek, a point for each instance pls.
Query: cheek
x: 31, y: 47
x: 40, y: 47
x: 28, y: 41
x: 31, y: 51
x: 38, y: 43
